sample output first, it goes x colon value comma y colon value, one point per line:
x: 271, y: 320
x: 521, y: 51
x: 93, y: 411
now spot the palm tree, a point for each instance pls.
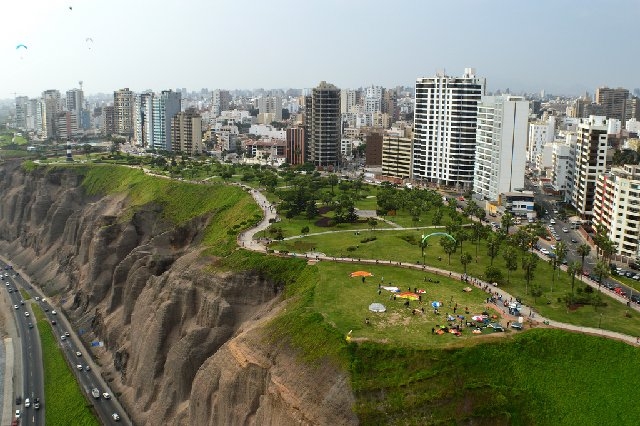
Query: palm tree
x: 493, y: 246
x: 510, y: 257
x: 607, y: 248
x: 560, y: 255
x: 601, y: 270
x: 465, y: 259
x: 507, y: 222
x: 583, y: 251
x: 449, y: 246
x: 477, y: 232
x: 529, y: 264
x: 572, y: 270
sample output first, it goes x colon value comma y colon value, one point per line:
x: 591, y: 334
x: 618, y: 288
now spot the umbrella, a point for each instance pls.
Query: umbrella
x: 436, y: 304
x: 377, y: 307
x: 361, y: 274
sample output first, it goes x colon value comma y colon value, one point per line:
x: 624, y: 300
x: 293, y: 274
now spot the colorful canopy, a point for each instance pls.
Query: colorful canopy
x: 361, y: 274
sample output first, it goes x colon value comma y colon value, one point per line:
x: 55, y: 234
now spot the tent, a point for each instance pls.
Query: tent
x: 377, y: 307
x: 361, y: 274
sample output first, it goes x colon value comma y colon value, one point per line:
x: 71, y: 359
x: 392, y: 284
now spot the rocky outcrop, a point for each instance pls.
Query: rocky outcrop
x: 182, y: 345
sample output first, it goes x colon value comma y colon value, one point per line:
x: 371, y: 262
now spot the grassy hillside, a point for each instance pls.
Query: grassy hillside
x: 231, y: 208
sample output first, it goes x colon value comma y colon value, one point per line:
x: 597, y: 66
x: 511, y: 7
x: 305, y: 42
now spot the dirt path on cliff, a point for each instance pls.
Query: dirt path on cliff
x: 246, y: 240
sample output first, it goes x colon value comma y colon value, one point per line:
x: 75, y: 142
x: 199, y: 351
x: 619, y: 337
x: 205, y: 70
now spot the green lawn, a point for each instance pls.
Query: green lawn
x: 402, y: 246
x: 25, y: 295
x: 65, y: 402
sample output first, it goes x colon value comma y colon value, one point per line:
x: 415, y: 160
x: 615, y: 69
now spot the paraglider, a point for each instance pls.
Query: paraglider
x: 89, y: 42
x: 20, y: 48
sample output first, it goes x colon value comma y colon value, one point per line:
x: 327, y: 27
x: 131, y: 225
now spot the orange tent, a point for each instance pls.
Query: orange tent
x: 361, y: 274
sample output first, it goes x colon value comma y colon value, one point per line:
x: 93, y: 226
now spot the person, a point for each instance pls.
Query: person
x: 366, y: 320
x: 433, y: 330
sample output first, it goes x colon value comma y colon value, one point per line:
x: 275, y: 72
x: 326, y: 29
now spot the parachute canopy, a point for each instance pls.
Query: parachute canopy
x: 21, y: 46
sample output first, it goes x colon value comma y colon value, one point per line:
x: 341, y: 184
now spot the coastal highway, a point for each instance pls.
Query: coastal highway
x: 88, y: 377
x: 31, y: 358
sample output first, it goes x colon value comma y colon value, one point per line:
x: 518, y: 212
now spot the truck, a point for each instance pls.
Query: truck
x: 95, y: 393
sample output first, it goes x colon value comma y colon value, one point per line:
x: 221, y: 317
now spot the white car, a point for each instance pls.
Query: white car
x: 53, y: 312
x: 552, y: 221
x: 63, y: 337
x: 544, y: 251
x: 17, y: 414
x: 78, y: 353
x: 16, y: 306
x: 565, y: 230
x: 26, y: 314
x: 79, y: 366
x: 115, y: 417
x: 106, y: 395
x: 27, y: 403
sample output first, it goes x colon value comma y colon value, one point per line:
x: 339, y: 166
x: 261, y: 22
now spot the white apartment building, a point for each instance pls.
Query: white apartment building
x: 590, y: 160
x: 347, y: 100
x: 500, y: 145
x: 540, y: 133
x: 267, y: 131
x: 616, y: 208
x: 562, y: 163
x: 444, y: 141
x: 372, y: 99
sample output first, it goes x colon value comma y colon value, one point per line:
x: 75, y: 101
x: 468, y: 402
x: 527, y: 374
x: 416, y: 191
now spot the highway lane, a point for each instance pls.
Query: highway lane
x: 88, y: 378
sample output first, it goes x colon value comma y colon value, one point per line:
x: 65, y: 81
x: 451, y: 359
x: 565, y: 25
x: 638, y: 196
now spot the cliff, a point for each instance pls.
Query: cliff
x: 184, y: 343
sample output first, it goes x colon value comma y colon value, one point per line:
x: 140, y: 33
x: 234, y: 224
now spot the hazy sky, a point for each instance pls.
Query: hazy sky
x: 562, y: 46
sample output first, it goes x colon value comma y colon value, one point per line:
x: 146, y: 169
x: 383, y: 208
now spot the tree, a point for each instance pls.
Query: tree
x: 510, y: 257
x: 493, y: 246
x: 372, y: 223
x: 449, y: 246
x: 332, y: 180
x: 493, y: 274
x: 86, y: 148
x: 529, y: 264
x: 583, y: 251
x: 536, y: 291
x: 305, y: 230
x: 436, y: 220
x: 560, y: 255
x: 507, y: 222
x: 465, y: 259
x: 607, y: 248
x: 312, y: 209
x: 601, y: 270
x: 478, y: 231
x: 572, y: 270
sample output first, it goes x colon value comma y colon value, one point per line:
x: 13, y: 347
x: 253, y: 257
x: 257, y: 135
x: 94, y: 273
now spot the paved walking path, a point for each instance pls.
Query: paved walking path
x: 247, y: 241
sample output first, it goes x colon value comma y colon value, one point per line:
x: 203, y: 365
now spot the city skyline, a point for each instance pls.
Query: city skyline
x: 198, y: 44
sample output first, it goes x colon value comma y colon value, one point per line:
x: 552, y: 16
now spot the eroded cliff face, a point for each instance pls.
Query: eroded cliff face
x: 182, y: 345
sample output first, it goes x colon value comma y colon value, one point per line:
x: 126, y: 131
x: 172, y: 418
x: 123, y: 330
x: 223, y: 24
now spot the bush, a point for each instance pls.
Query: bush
x: 368, y: 239
x: 351, y: 248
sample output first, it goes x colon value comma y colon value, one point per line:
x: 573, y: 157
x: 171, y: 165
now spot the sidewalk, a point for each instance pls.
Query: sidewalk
x: 7, y: 390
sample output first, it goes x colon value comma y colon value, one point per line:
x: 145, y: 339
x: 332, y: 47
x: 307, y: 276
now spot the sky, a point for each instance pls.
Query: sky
x: 560, y: 46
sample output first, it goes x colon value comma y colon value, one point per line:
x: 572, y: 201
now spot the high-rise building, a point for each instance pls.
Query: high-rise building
x: 296, y: 147
x: 75, y: 105
x: 164, y: 107
x: 186, y: 132
x: 22, y: 103
x: 347, y: 100
x: 501, y: 144
x: 613, y: 102
x: 109, y: 120
x: 396, y: 156
x: 615, y: 209
x: 372, y: 99
x: 444, y: 141
x: 373, y: 149
x: 271, y: 108
x: 143, y: 127
x: 49, y: 109
x: 541, y: 133
x: 590, y: 161
x: 123, y: 110
x: 220, y: 101
x: 323, y: 121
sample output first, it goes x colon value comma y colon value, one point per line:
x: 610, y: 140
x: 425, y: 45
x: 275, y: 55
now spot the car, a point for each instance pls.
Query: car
x: 565, y: 230
x: 18, y: 400
x: 27, y: 403
x: 628, y: 274
x: 552, y: 221
x: 37, y: 298
x: 544, y: 251
x: 44, y: 300
x: 36, y: 403
x: 636, y: 277
x: 53, y: 322
x: 46, y: 309
x: 17, y: 414
x: 78, y: 353
x: 553, y: 247
x: 16, y: 306
x: 53, y: 312
x: 22, y: 302
x: 95, y: 392
x: 573, y: 240
x: 26, y: 314
x: 87, y: 368
x: 66, y: 333
x: 496, y: 326
x: 30, y: 325
x: 63, y: 337
x: 79, y: 366
x: 106, y: 395
x: 10, y: 291
x: 517, y: 325
x: 115, y: 417
x: 555, y: 211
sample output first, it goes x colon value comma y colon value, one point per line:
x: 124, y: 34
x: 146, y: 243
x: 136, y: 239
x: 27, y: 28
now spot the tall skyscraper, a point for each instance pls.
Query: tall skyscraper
x: 501, y: 143
x: 270, y: 107
x: 123, y: 110
x: 75, y: 105
x: 143, y: 121
x: 186, y: 132
x: 220, y: 100
x: 296, y: 149
x: 323, y: 121
x: 21, y: 112
x: 165, y: 107
x: 444, y: 141
x: 347, y: 100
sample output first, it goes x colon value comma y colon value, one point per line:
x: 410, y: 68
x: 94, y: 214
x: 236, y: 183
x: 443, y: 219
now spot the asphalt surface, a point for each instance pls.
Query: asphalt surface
x: 88, y: 377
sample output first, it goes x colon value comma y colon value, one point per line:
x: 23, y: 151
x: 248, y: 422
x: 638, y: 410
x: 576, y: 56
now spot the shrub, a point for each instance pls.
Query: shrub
x: 368, y: 239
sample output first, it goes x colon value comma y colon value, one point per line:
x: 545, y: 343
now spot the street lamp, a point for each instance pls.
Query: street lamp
x: 600, y: 322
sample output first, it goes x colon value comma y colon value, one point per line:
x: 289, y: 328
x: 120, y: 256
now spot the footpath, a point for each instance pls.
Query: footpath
x: 496, y: 298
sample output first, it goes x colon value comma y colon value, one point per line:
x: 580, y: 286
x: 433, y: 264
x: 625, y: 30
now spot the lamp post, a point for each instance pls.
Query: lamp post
x: 600, y: 322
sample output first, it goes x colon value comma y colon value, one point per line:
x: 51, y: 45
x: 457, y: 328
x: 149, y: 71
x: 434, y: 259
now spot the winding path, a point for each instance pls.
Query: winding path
x: 246, y: 240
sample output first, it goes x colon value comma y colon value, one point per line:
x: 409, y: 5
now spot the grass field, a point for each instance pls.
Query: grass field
x: 65, y: 402
x: 402, y: 246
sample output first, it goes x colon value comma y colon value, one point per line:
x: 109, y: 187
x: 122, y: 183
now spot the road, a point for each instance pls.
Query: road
x: 88, y: 377
x: 30, y: 361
